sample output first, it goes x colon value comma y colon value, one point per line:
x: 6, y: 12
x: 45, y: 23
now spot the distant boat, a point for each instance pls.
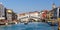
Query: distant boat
x: 26, y: 23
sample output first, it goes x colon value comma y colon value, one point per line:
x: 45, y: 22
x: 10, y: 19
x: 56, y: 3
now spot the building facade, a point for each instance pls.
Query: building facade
x: 9, y: 14
x: 30, y: 15
x: 14, y: 16
x: 6, y: 14
x: 34, y: 14
x: 44, y: 14
x: 2, y: 12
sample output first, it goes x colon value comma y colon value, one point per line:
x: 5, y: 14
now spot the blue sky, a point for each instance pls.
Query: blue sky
x: 20, y: 6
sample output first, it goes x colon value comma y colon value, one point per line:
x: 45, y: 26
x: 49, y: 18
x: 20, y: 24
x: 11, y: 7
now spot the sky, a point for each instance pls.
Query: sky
x: 21, y: 6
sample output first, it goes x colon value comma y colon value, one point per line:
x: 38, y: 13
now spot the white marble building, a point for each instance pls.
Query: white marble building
x: 2, y: 11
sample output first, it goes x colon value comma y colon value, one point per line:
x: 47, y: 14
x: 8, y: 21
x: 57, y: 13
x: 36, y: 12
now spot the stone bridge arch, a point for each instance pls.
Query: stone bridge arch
x: 31, y: 18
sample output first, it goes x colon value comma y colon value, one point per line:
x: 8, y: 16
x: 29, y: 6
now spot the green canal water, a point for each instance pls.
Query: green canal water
x: 29, y: 26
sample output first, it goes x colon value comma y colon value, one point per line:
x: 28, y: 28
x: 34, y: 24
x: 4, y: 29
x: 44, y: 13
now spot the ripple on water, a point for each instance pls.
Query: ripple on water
x: 29, y: 26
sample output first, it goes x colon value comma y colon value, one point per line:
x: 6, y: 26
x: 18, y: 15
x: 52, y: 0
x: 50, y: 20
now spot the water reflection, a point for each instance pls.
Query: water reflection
x: 29, y: 26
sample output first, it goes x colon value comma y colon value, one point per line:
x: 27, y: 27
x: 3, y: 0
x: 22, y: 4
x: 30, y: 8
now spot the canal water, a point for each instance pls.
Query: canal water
x: 29, y: 26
